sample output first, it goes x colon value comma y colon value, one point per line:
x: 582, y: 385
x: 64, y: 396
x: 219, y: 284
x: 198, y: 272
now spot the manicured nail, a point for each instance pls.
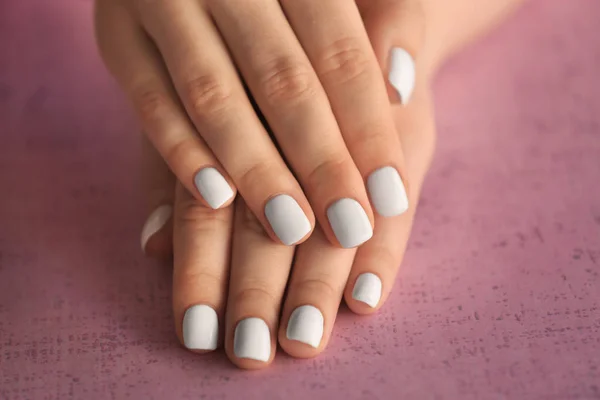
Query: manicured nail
x: 213, y: 187
x: 287, y: 219
x: 387, y: 192
x: 306, y: 326
x: 367, y: 289
x: 155, y: 222
x: 349, y: 222
x: 200, y: 328
x: 252, y: 340
x: 402, y: 73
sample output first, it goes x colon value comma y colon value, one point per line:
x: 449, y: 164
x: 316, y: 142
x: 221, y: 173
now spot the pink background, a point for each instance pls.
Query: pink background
x: 499, y: 295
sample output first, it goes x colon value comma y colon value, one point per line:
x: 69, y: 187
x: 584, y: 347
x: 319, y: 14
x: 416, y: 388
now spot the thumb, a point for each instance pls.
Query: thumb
x: 396, y: 29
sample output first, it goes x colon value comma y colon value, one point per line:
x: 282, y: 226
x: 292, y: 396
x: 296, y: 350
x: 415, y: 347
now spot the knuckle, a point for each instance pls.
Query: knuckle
x: 179, y: 151
x: 194, y: 217
x: 258, y: 293
x: 328, y: 171
x: 200, y: 278
x: 384, y: 256
x: 287, y: 80
x: 256, y: 174
x: 250, y: 223
x: 343, y: 61
x: 208, y: 96
x: 373, y: 138
x: 321, y: 287
x: 151, y: 103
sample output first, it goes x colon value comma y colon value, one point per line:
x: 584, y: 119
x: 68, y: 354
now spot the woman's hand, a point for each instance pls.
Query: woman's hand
x: 316, y: 77
x: 237, y: 301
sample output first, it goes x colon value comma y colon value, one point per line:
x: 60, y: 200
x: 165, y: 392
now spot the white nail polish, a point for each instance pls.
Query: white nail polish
x: 306, y: 326
x: 349, y: 222
x: 367, y: 289
x: 155, y: 222
x: 287, y: 219
x: 387, y: 192
x: 402, y: 73
x: 252, y: 340
x: 200, y: 328
x: 213, y: 187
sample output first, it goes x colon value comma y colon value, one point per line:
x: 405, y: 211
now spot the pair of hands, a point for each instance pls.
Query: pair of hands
x: 315, y: 71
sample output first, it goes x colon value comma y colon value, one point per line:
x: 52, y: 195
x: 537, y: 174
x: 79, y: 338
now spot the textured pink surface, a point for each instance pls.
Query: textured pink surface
x: 499, y: 295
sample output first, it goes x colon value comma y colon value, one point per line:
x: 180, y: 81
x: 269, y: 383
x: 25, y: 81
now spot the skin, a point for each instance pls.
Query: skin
x: 309, y: 66
x: 225, y: 259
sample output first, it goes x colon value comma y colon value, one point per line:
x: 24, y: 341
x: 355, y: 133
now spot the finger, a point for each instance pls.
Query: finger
x: 201, y: 243
x: 289, y: 93
x: 377, y: 262
x: 338, y: 46
x: 319, y: 275
x: 259, y: 272
x: 215, y: 99
x: 132, y: 58
x: 159, y: 189
x: 396, y: 30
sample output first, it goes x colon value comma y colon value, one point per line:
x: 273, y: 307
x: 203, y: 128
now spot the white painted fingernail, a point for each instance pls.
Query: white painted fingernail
x: 402, y: 73
x: 200, y: 328
x: 306, y: 326
x: 155, y: 222
x: 387, y: 192
x: 367, y: 289
x: 349, y: 222
x: 252, y: 340
x: 287, y: 219
x: 213, y: 187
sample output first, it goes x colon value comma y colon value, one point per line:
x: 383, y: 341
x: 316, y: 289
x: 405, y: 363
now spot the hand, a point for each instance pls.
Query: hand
x: 237, y: 301
x: 315, y: 76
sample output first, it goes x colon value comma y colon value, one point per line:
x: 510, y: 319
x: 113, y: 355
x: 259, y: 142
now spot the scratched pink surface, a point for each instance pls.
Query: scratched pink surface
x: 499, y: 296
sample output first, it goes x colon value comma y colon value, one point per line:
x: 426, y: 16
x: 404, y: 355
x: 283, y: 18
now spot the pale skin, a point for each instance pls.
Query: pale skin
x: 229, y: 258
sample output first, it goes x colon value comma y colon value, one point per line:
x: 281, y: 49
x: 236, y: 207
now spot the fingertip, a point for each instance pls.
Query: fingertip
x: 302, y: 336
x: 351, y: 222
x: 251, y: 347
x: 288, y: 220
x: 365, y: 295
x: 200, y: 328
x: 216, y: 191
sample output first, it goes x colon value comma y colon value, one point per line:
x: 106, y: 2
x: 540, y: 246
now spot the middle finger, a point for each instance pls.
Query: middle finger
x: 290, y: 95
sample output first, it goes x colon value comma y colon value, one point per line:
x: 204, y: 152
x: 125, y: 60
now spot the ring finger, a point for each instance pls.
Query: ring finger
x: 209, y: 87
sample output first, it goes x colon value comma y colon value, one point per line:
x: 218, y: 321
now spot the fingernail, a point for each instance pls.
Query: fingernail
x: 349, y: 222
x: 402, y: 73
x: 306, y: 326
x: 155, y: 222
x: 213, y: 187
x: 200, y: 328
x: 367, y: 289
x: 387, y: 192
x: 287, y: 219
x: 252, y: 340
